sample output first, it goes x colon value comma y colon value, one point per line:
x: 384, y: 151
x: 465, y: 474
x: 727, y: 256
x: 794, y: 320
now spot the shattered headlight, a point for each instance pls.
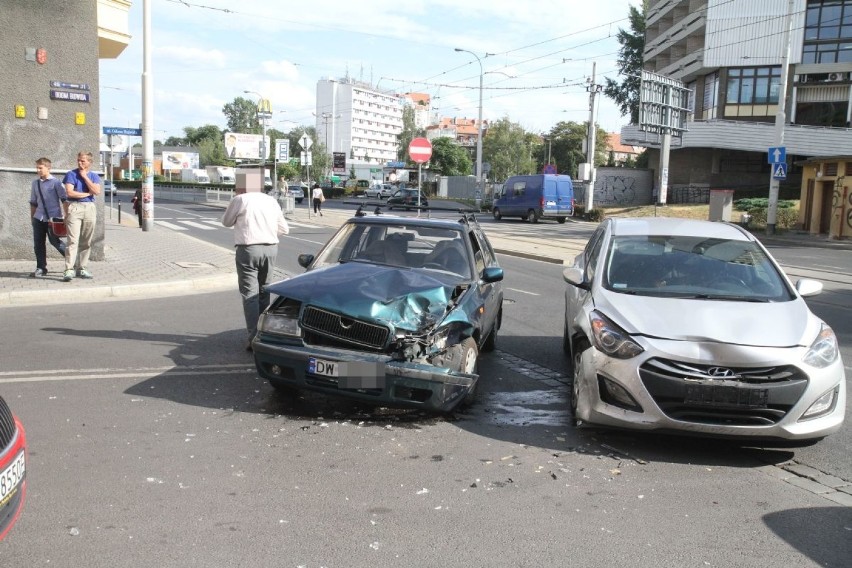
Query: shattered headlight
x: 440, y: 339
x: 823, y: 351
x: 282, y: 320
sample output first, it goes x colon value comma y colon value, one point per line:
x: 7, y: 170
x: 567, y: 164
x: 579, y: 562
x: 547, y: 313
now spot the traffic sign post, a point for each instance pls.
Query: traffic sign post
x: 779, y: 171
x: 777, y: 155
x: 420, y: 150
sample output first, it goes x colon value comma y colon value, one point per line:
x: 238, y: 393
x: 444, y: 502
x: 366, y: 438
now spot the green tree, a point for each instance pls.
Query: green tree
x: 409, y: 133
x: 566, y: 143
x: 449, y: 159
x: 241, y: 116
x: 626, y: 93
x: 506, y: 148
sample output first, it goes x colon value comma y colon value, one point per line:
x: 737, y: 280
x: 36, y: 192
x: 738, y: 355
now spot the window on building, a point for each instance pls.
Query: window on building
x: 828, y: 32
x: 753, y: 85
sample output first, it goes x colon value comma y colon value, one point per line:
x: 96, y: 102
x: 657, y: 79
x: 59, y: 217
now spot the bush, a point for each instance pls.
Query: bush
x: 786, y: 218
x: 749, y: 203
x: 595, y: 215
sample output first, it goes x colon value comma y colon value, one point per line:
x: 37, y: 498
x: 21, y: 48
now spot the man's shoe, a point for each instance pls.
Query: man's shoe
x: 68, y: 275
x: 85, y: 274
x: 248, y: 345
x: 39, y: 273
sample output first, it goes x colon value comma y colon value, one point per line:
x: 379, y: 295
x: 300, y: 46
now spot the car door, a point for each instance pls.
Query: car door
x: 490, y: 293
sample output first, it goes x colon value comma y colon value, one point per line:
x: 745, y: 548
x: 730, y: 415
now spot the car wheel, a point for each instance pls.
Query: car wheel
x: 560, y: 220
x: 468, y: 364
x: 490, y: 343
x: 577, y: 380
x: 531, y: 216
x: 497, y: 215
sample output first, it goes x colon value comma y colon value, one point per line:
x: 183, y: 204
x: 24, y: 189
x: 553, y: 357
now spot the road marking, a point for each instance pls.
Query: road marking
x: 198, y: 225
x: 171, y: 226
x: 48, y: 375
x: 523, y: 292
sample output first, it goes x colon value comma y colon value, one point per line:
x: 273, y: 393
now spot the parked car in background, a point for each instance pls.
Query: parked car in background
x: 380, y: 191
x: 297, y: 191
x: 407, y: 198
x: 393, y: 311
x: 692, y: 327
x: 13, y: 478
x: 108, y: 188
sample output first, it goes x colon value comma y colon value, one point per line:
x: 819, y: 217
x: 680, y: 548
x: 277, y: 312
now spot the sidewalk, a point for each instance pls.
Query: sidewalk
x: 163, y: 262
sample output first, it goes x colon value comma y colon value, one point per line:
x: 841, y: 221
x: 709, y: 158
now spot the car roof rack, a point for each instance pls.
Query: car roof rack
x: 468, y: 214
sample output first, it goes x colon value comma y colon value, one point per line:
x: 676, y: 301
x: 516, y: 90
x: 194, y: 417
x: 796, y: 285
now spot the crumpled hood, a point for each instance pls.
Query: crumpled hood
x: 781, y: 324
x: 407, y: 299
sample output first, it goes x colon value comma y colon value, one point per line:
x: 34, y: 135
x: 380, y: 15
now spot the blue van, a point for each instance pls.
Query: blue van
x: 541, y: 196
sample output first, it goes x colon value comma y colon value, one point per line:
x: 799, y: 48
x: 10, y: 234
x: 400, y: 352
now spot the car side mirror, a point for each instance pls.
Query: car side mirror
x: 492, y: 274
x: 305, y: 260
x: 808, y: 287
x: 575, y: 277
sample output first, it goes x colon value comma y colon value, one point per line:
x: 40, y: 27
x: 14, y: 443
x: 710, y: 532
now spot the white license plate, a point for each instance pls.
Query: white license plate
x: 11, y: 477
x: 323, y: 368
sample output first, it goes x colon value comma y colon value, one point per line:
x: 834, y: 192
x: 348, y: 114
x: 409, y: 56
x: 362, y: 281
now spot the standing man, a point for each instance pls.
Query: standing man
x: 318, y: 198
x: 46, y: 199
x: 81, y: 187
x: 258, y: 221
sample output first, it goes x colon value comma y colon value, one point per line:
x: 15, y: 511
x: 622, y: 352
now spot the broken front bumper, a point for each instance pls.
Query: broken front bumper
x: 368, y: 377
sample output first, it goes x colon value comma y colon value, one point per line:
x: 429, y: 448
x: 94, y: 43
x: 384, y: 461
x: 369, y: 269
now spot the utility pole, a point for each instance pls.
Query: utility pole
x: 780, y: 120
x: 147, y: 123
x: 325, y: 117
x: 594, y: 89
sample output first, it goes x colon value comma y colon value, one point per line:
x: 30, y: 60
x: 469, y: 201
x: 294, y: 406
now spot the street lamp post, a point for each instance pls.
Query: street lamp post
x: 479, y: 184
x: 264, y: 113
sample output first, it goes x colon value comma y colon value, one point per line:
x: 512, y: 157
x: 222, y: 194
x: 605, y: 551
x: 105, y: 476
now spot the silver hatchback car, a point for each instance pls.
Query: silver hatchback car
x: 691, y: 326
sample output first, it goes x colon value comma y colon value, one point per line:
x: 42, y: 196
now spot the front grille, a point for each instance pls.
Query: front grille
x: 7, y: 425
x: 714, y: 394
x: 323, y: 323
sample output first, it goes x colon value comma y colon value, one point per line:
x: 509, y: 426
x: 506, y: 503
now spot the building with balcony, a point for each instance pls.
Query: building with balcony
x: 730, y: 54
x: 463, y: 131
x: 50, y: 51
x: 355, y: 118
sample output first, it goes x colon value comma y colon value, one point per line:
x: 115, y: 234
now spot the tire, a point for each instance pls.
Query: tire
x: 560, y: 220
x: 490, y: 343
x: 531, y: 216
x: 576, y: 383
x: 496, y: 214
x: 468, y: 364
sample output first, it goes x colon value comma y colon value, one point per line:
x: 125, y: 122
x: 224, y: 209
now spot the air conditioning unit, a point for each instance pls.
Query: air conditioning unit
x: 835, y: 77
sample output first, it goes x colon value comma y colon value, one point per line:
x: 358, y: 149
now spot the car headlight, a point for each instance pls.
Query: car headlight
x: 823, y: 351
x: 611, y: 339
x: 282, y: 320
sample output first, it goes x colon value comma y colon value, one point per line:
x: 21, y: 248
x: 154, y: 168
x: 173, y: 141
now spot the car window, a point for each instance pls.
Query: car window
x: 592, y: 252
x: 693, y: 266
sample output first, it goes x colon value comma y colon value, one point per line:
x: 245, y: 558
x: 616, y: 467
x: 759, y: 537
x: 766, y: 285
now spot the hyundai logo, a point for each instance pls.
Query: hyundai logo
x: 721, y: 372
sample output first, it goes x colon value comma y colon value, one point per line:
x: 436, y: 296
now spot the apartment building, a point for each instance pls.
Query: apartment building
x: 730, y: 54
x: 355, y: 118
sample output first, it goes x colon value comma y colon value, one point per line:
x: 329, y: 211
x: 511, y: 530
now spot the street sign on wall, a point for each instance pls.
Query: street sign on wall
x: 420, y: 150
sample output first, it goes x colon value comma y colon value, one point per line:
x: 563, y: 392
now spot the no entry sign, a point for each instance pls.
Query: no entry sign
x: 420, y: 150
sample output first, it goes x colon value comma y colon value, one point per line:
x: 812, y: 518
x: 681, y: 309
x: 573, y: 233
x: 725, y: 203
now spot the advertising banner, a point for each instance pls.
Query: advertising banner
x: 244, y: 146
x: 339, y: 162
x: 179, y: 160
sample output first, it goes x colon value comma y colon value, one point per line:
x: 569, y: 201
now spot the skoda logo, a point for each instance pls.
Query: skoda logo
x: 721, y: 372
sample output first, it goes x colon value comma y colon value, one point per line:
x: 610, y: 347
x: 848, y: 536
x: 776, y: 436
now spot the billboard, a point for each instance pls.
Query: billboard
x: 179, y: 160
x: 339, y: 162
x: 240, y: 146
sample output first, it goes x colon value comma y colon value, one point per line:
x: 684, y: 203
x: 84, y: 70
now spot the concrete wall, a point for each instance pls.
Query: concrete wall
x: 67, y: 32
x: 618, y: 187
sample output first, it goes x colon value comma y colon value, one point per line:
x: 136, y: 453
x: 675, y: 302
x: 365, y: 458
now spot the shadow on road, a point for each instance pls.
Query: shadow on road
x: 820, y: 533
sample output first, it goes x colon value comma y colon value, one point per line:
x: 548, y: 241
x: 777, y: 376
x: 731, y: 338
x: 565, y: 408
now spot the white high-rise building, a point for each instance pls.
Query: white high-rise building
x: 355, y: 118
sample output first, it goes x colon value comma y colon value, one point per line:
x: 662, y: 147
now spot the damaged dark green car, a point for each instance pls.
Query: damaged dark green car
x: 393, y: 311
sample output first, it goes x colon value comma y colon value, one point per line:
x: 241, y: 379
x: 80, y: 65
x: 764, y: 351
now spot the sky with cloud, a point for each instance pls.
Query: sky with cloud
x: 537, y: 58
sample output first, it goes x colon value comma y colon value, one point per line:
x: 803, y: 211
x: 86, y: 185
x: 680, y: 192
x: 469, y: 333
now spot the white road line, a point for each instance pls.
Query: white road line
x: 198, y: 225
x: 46, y: 375
x: 523, y: 292
x: 171, y: 226
x: 304, y: 225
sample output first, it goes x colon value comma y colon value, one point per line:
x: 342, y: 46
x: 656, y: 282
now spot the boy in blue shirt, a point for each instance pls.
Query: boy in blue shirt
x: 46, y: 199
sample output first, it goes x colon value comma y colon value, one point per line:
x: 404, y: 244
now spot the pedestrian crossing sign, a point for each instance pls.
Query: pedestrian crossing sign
x: 779, y: 171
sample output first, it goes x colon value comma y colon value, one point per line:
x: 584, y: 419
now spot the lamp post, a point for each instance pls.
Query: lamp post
x: 264, y: 113
x: 478, y: 125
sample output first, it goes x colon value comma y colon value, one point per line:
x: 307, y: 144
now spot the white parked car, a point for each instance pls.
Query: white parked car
x: 691, y: 326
